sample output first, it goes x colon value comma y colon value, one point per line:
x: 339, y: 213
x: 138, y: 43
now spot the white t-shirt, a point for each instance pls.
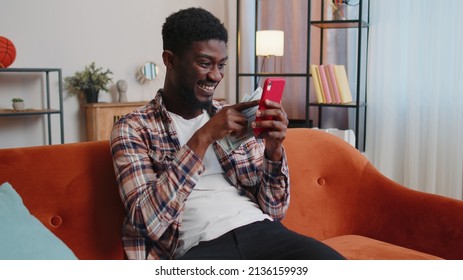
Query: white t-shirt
x: 214, y: 207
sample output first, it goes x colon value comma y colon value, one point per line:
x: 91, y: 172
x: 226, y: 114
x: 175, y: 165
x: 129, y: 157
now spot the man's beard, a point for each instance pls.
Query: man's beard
x: 190, y: 97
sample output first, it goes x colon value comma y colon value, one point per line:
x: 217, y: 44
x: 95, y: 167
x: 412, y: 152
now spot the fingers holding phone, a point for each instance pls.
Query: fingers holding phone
x: 272, y: 119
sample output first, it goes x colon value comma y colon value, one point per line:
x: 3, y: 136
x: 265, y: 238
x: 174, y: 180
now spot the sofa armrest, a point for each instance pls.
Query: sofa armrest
x: 336, y: 191
x: 393, y: 213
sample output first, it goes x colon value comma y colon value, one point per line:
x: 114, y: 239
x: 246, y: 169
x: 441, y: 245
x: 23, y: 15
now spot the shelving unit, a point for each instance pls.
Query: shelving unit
x: 359, y: 95
x: 47, y: 111
x: 357, y: 108
x: 256, y: 74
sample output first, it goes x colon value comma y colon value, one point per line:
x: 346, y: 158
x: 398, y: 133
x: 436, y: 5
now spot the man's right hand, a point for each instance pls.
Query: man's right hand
x: 229, y: 120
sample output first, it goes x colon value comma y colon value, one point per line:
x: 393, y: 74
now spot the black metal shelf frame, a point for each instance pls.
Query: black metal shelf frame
x: 258, y: 74
x: 48, y: 111
x: 358, y: 104
x: 323, y: 24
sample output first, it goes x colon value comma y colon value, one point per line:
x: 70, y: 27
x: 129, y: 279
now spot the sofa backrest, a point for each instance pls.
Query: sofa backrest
x: 325, y: 172
x: 71, y: 189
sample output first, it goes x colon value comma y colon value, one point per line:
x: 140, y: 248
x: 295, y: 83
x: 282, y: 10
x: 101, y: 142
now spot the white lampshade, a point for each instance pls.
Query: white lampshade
x: 270, y: 42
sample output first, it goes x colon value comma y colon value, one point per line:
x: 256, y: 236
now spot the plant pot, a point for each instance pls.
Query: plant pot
x: 92, y: 96
x: 18, y: 106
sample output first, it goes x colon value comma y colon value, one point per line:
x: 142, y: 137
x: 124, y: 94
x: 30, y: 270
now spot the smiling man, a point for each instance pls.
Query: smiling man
x: 185, y: 197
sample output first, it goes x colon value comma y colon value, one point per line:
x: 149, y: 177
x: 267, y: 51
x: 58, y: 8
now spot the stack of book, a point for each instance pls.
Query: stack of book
x: 331, y: 84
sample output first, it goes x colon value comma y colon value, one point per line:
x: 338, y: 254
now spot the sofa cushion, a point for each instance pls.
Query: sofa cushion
x: 23, y: 236
x: 356, y: 247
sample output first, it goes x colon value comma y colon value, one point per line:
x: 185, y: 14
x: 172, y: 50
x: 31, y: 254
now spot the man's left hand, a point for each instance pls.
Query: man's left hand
x: 274, y: 128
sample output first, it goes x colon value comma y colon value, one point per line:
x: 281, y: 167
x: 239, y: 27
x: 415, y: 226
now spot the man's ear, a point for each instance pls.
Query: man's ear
x: 168, y: 58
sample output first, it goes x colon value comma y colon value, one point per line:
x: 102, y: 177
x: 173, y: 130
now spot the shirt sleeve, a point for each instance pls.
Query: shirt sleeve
x: 152, y: 191
x: 273, y: 196
x: 264, y: 181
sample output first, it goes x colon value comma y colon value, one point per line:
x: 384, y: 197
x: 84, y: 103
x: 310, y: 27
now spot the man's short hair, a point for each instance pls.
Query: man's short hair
x: 190, y: 25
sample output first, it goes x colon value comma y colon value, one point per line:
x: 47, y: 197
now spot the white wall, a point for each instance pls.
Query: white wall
x: 119, y: 35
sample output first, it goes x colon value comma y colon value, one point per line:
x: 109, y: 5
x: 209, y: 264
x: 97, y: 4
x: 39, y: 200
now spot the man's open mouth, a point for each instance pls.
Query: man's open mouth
x: 206, y: 87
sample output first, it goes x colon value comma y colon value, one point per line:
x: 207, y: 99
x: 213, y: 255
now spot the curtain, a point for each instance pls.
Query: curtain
x: 415, y: 94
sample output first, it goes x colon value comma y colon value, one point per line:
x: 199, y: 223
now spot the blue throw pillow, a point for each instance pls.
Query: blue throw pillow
x: 24, y: 237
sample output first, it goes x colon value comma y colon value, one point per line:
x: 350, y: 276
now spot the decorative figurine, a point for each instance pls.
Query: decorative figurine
x: 122, y: 89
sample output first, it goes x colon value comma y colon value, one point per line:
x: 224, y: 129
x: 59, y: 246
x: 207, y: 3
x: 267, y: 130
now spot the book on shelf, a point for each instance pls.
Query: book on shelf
x: 317, y: 83
x: 331, y: 84
x: 324, y: 82
x: 334, y: 86
x: 328, y: 81
x: 343, y: 84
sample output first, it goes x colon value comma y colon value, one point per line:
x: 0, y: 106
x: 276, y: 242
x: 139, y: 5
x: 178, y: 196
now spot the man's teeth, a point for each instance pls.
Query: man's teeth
x: 209, y: 88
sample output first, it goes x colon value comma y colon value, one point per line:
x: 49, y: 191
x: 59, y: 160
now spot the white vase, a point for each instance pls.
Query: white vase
x: 339, y: 12
x: 18, y: 106
x: 122, y: 90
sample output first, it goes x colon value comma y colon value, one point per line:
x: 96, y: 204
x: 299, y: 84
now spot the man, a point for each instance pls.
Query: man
x: 185, y: 197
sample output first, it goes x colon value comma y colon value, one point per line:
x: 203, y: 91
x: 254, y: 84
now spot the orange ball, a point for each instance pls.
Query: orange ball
x: 7, y: 52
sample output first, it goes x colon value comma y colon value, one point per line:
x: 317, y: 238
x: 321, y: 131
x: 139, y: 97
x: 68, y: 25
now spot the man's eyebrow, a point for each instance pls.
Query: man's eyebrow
x: 202, y: 55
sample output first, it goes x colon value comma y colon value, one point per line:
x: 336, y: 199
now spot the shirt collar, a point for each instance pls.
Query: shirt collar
x: 158, y: 102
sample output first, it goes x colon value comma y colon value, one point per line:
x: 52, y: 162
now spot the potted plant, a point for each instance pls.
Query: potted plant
x: 89, y: 82
x: 18, y: 104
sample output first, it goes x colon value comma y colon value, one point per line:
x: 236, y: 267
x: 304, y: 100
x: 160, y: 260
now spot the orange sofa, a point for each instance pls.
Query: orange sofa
x: 337, y: 196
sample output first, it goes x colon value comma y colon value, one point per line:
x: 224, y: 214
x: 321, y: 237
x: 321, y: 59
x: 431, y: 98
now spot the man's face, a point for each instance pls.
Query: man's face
x: 200, y: 70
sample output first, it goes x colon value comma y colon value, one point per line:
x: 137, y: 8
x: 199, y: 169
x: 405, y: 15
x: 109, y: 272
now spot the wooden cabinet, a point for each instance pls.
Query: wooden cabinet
x: 101, y: 117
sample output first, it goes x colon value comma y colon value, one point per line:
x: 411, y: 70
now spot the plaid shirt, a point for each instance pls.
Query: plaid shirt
x: 155, y: 176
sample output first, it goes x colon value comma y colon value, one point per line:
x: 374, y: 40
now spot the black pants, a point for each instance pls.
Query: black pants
x: 265, y: 240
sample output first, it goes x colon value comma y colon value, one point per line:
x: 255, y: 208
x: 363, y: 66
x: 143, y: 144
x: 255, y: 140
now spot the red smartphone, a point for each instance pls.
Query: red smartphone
x: 272, y: 90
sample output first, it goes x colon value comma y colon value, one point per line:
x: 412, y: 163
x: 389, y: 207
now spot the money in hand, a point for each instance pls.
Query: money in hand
x: 229, y: 142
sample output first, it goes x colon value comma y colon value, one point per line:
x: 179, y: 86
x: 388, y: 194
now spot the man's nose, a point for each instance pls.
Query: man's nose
x: 215, y: 74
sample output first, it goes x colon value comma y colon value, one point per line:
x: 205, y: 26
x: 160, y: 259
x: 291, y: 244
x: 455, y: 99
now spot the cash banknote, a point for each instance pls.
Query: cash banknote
x: 231, y: 142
